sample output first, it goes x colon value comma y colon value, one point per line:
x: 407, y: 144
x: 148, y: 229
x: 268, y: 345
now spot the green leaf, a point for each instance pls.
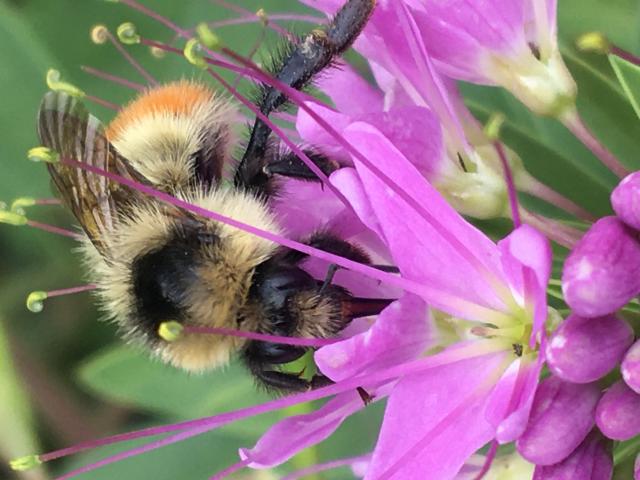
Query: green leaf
x: 17, y: 435
x: 629, y: 76
x: 125, y: 375
x: 625, y: 450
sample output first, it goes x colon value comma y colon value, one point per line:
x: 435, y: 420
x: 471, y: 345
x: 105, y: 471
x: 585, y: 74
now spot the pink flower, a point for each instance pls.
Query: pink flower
x: 602, y: 273
x: 563, y: 413
x: 630, y: 367
x: 590, y: 461
x: 504, y: 286
x: 496, y: 42
x: 582, y: 350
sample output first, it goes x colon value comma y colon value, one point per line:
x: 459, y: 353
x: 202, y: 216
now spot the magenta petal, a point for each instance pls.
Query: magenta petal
x: 459, y: 32
x: 348, y: 182
x: 295, y: 216
x: 618, y: 412
x: 401, y: 332
x: 350, y: 93
x: 582, y: 350
x: 439, y: 415
x: 602, y: 273
x: 590, y: 461
x: 510, y: 402
x: 293, y: 434
x: 425, y: 250
x: 315, y: 135
x: 631, y: 367
x: 625, y: 200
x: 526, y: 260
x: 417, y: 133
x: 561, y: 416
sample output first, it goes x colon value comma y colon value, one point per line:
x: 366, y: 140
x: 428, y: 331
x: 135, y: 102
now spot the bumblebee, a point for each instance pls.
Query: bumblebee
x: 154, y: 263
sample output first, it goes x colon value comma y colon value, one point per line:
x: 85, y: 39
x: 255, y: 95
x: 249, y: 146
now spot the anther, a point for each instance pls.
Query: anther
x: 19, y: 204
x: 128, y: 34
x: 55, y: 83
x: 193, y: 53
x: 25, y: 463
x: 35, y: 300
x: 262, y: 15
x: 170, y: 331
x: 494, y: 125
x: 43, y: 154
x: 208, y: 37
x: 99, y: 34
x: 594, y: 42
x: 157, y: 52
x: 12, y: 218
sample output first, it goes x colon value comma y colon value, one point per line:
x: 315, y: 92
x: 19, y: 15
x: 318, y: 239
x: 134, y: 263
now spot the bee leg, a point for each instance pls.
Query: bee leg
x: 299, y: 65
x: 290, y: 165
x: 331, y: 271
x: 290, y: 381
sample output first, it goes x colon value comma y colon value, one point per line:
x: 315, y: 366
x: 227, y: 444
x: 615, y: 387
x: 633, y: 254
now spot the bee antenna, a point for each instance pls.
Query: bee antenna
x: 35, y: 300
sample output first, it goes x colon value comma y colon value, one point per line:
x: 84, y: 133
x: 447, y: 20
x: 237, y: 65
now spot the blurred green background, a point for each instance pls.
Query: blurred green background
x: 64, y: 376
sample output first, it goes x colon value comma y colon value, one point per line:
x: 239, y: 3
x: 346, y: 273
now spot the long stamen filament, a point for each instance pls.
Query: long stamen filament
x: 101, y: 34
x: 192, y: 428
x: 171, y: 331
x: 323, y: 467
x: 112, y: 78
x: 35, y: 300
x: 294, y: 95
x: 440, y: 299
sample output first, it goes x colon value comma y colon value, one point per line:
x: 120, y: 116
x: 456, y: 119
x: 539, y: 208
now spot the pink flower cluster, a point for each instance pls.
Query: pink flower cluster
x: 459, y: 354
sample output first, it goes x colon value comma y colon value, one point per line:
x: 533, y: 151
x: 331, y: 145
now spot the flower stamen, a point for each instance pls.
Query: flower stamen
x: 171, y: 331
x: 35, y: 300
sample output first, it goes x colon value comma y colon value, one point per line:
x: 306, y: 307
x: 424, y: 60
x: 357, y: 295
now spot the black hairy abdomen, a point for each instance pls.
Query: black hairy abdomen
x: 161, y: 281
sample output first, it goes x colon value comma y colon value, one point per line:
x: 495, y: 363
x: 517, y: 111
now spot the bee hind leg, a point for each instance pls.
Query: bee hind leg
x: 298, y: 65
x: 290, y: 382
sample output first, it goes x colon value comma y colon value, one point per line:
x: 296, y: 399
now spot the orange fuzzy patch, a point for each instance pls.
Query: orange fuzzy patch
x: 178, y: 98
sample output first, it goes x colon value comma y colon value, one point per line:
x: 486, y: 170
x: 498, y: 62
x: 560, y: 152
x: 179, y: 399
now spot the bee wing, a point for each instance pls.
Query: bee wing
x: 65, y: 125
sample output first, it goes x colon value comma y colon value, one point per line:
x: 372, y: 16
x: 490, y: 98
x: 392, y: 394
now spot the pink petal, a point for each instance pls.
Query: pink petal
x: 349, y: 183
x: 436, y: 419
x: 510, y: 402
x: 630, y: 367
x: 437, y: 251
x: 458, y: 33
x: 526, y: 251
x: 625, y: 200
x: 293, y: 434
x: 315, y: 135
x: 295, y: 216
x: 401, y: 332
x: 561, y: 416
x: 350, y: 93
x: 617, y: 413
x: 394, y: 41
x: 602, y: 273
x: 415, y: 131
x: 582, y: 350
x: 590, y: 461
